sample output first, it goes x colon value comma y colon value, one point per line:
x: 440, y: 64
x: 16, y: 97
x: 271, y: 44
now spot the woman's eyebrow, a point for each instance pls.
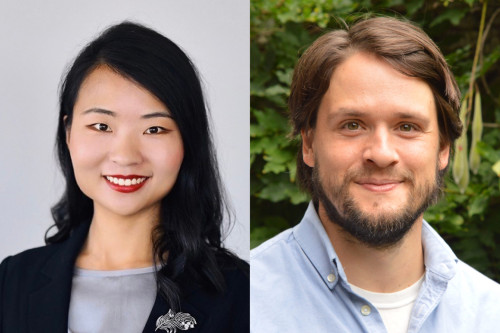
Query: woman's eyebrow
x: 101, y: 111
x: 160, y: 114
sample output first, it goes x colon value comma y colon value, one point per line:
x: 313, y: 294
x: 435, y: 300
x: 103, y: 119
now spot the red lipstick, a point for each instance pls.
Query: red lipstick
x: 125, y: 184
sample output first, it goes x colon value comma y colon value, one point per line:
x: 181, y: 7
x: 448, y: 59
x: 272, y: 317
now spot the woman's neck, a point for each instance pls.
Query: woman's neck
x: 118, y: 242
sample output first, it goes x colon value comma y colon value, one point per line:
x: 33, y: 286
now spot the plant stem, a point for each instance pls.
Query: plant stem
x: 474, y: 63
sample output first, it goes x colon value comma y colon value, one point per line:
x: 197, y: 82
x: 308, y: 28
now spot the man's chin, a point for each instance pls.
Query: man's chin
x: 378, y: 227
x: 375, y: 207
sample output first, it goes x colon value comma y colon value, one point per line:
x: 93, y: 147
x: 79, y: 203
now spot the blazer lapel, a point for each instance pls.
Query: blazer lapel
x: 49, y: 299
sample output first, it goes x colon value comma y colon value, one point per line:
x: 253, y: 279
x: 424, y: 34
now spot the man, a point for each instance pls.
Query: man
x: 377, y: 110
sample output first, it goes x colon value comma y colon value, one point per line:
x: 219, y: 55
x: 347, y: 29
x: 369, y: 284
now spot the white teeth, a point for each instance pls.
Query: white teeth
x: 125, y: 182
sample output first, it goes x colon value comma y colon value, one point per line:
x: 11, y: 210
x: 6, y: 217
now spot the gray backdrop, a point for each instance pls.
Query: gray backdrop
x: 38, y: 39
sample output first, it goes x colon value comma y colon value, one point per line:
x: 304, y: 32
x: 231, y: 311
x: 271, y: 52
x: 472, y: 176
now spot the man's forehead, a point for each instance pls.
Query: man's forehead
x: 364, y: 84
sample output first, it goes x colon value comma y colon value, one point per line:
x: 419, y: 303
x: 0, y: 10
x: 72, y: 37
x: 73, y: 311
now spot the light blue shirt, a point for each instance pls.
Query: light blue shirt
x: 298, y: 285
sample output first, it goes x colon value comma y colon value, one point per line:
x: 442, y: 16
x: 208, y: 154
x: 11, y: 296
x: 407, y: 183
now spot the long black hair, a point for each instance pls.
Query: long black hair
x: 191, y: 214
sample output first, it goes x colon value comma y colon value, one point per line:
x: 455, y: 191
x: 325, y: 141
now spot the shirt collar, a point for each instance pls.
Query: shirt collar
x: 438, y: 256
x: 312, y: 238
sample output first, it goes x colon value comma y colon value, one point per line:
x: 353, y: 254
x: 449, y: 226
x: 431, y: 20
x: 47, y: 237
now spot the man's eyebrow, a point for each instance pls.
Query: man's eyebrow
x: 411, y: 115
x: 160, y: 114
x: 101, y: 111
x: 345, y: 112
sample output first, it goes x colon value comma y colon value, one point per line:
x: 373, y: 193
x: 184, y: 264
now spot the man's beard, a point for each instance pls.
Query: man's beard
x: 381, y: 230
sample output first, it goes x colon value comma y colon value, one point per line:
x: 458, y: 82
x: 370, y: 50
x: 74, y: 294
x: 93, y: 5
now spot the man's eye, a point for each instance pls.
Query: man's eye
x: 155, y: 130
x: 406, y: 127
x: 352, y: 126
x: 101, y: 127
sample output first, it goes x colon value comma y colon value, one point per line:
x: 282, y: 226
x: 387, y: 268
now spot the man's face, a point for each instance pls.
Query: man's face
x: 375, y: 150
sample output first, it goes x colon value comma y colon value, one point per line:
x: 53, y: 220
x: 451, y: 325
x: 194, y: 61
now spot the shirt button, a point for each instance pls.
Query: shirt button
x: 330, y: 277
x: 366, y: 310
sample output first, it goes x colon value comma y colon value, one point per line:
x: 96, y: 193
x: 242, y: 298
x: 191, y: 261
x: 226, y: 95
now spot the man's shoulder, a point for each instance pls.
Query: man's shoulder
x: 272, y: 246
x: 273, y: 258
x: 475, y: 282
x: 470, y: 301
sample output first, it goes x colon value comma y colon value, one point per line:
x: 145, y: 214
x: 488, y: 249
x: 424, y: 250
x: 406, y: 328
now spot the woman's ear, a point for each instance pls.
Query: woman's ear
x: 67, y: 128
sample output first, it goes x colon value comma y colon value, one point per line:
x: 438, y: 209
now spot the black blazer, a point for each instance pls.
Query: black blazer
x: 35, y: 290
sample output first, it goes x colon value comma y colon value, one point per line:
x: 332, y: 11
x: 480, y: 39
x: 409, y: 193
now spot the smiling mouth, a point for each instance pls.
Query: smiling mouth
x: 125, y: 181
x: 125, y: 184
x: 379, y: 186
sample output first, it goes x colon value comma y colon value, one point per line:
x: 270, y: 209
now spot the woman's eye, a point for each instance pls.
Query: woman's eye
x: 352, y: 126
x: 101, y: 127
x: 155, y: 130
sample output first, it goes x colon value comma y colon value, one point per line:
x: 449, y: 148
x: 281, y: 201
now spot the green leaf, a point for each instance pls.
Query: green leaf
x: 297, y: 196
x: 487, y: 152
x: 260, y: 234
x: 258, y: 146
x: 454, y: 15
x: 456, y: 220
x: 460, y: 167
x: 276, y: 90
x: 285, y: 76
x: 274, y: 192
x: 477, y: 132
x: 496, y: 168
x: 489, y: 60
x: 277, y: 160
x: 478, y: 205
x: 413, y: 6
x: 270, y: 121
x: 280, y: 191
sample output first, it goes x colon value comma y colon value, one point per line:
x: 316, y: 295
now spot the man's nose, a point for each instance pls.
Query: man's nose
x: 125, y: 151
x: 380, y: 149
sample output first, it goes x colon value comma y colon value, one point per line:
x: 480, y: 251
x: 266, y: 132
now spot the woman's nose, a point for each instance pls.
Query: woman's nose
x: 125, y: 150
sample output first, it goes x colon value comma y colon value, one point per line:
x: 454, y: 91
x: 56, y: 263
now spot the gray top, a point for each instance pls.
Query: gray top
x: 111, y: 301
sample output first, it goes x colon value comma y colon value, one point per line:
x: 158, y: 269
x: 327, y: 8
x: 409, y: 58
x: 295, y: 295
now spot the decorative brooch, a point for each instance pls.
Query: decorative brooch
x: 172, y: 321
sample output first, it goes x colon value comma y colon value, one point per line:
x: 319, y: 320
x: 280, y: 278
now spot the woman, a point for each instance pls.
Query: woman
x: 138, y: 241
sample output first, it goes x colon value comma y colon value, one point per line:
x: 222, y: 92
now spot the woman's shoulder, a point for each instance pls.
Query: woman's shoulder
x: 229, y: 310
x: 28, y: 261
x: 233, y: 265
x: 231, y: 273
x: 236, y: 274
x: 54, y: 254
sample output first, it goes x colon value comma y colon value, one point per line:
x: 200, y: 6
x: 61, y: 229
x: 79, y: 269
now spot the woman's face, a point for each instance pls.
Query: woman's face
x: 125, y: 148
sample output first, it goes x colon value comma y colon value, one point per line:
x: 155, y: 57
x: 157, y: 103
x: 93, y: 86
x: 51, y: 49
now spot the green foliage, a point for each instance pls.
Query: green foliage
x: 282, y: 29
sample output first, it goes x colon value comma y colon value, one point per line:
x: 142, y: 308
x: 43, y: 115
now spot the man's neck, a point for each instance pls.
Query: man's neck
x: 379, y: 270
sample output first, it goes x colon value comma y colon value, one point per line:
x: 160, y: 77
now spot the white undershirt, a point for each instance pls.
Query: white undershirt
x: 394, y: 308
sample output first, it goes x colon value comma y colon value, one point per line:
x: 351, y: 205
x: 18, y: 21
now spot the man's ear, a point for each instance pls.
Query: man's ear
x: 307, y: 147
x: 68, y: 129
x: 444, y: 156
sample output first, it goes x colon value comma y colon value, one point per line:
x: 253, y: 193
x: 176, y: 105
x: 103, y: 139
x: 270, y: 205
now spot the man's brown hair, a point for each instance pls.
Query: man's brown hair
x: 402, y: 45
